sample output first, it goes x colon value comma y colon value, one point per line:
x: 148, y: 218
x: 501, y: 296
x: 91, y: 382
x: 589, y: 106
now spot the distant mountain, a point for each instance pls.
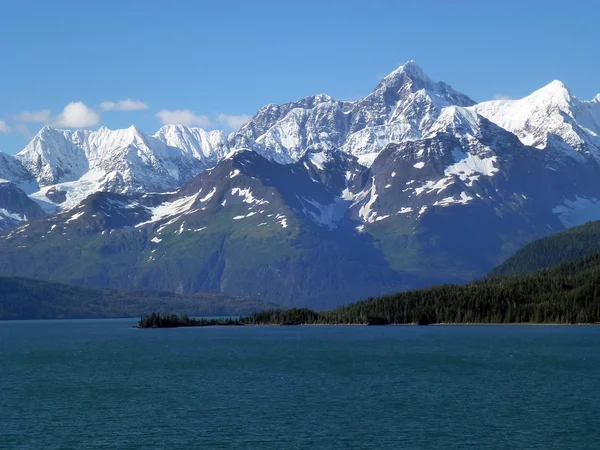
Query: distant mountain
x: 247, y: 227
x: 11, y: 169
x: 317, y: 202
x: 556, y: 249
x: 15, y: 206
x: 77, y: 164
x: 401, y: 108
x: 551, y: 118
x: 208, y: 147
x: 22, y: 298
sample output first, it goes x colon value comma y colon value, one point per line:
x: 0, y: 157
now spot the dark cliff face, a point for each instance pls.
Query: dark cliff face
x: 16, y: 207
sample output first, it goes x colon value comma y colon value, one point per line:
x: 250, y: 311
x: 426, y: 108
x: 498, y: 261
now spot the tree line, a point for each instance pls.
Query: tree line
x: 566, y: 294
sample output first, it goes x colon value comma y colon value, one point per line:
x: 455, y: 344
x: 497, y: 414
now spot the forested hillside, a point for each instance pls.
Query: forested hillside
x: 552, y: 250
x: 568, y: 293
x: 22, y: 298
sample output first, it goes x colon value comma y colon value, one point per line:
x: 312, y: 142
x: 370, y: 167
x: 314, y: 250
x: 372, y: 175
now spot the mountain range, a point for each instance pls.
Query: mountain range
x: 317, y: 202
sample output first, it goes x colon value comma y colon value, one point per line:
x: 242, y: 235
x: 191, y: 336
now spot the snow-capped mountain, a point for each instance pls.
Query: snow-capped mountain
x: 551, y: 117
x: 75, y: 164
x: 208, y: 147
x: 11, y: 169
x: 15, y: 206
x: 249, y: 224
x: 70, y: 165
x: 401, y: 108
x: 315, y: 202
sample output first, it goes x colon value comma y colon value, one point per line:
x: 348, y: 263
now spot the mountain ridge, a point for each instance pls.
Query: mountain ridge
x: 314, y: 201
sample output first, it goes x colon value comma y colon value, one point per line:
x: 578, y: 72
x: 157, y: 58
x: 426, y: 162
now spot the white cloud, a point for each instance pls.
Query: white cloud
x: 232, y: 121
x: 34, y: 116
x: 124, y: 105
x: 183, y: 117
x: 77, y: 115
x: 502, y: 97
x: 4, y: 128
x: 24, y: 130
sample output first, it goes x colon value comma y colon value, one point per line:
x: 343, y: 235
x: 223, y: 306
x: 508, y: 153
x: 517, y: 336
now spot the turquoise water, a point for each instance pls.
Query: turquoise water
x: 103, y: 384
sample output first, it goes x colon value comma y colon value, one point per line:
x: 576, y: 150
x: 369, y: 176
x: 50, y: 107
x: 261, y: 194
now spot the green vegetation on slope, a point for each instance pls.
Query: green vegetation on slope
x: 22, y: 298
x: 552, y: 250
x: 568, y: 293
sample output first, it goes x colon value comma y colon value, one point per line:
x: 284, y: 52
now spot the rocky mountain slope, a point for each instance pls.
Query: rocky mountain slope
x: 401, y: 108
x: 317, y: 202
x: 15, y: 206
x: 249, y: 225
x: 26, y: 299
x: 79, y: 163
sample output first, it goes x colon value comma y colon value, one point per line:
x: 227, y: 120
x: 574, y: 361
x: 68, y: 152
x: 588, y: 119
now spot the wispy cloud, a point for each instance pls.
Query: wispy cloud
x: 77, y: 115
x: 4, y: 128
x: 42, y: 116
x: 183, y: 117
x: 74, y: 115
x: 232, y: 121
x: 24, y: 130
x: 124, y: 105
x: 502, y: 97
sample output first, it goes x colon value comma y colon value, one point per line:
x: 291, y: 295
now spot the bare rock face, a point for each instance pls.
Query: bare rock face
x: 316, y: 202
x: 15, y: 206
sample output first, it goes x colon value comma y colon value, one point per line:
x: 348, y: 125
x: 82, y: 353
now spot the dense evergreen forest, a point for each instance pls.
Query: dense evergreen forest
x: 158, y: 320
x: 23, y: 298
x: 553, y: 250
x: 567, y: 293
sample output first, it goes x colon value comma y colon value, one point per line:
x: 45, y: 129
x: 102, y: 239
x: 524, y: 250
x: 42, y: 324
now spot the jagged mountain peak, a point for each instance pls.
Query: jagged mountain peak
x: 46, y: 133
x: 551, y: 117
x: 410, y: 70
x: 409, y: 84
x: 172, y: 129
x: 409, y: 77
x: 136, y: 130
x: 554, y: 86
x: 69, y: 165
x: 412, y: 177
x: 277, y: 109
x: 177, y: 129
x: 555, y: 92
x: 402, y: 107
x: 458, y: 121
x: 208, y: 147
x: 321, y: 98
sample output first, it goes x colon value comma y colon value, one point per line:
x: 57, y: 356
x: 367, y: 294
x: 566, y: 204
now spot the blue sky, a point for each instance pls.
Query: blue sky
x: 211, y: 63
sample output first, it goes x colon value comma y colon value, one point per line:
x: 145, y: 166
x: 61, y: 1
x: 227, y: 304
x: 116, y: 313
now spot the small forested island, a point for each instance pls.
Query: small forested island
x: 157, y: 320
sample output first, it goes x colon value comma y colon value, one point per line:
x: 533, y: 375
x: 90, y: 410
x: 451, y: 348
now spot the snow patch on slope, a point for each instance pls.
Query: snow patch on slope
x: 578, y: 211
x: 468, y: 167
x: 319, y: 159
x: 325, y: 215
x: 365, y: 212
x: 170, y: 209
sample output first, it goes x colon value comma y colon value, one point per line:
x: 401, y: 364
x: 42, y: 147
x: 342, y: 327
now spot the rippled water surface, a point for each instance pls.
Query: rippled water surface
x: 102, y: 384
